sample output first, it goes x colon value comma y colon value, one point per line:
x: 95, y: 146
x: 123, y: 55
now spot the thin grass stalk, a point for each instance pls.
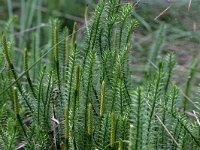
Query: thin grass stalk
x: 27, y: 73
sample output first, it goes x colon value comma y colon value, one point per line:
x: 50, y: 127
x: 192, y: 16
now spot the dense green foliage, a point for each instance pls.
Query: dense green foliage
x: 78, y: 93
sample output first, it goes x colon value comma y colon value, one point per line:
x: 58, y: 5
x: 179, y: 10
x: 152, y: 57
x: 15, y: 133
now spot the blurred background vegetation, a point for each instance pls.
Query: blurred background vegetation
x: 164, y: 26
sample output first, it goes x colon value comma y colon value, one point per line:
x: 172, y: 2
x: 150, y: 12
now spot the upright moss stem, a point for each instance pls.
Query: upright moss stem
x: 66, y: 127
x: 16, y: 110
x: 56, y: 59
x: 113, y: 130
x: 130, y: 145
x: 27, y: 72
x: 89, y: 126
x: 102, y: 99
x: 74, y: 36
x: 120, y: 146
x: 86, y: 17
x: 67, y: 49
x: 11, y: 66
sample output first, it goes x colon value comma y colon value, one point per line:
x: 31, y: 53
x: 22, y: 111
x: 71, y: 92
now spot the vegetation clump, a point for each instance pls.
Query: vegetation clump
x: 80, y: 95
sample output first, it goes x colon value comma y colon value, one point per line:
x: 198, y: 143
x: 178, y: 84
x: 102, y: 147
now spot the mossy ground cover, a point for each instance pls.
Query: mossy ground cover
x: 97, y: 86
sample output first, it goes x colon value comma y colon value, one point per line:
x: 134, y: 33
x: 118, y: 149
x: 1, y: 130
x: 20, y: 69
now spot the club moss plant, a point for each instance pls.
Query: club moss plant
x: 81, y: 95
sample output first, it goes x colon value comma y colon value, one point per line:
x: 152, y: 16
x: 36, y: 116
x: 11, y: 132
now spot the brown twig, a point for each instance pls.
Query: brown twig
x: 136, y: 3
x: 31, y: 29
x: 168, y: 132
x: 162, y: 13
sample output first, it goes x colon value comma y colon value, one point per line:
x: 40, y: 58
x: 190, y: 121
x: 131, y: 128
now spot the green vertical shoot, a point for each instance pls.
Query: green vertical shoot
x: 66, y: 126
x: 89, y: 119
x: 102, y: 99
x: 40, y: 96
x: 15, y: 101
x: 27, y: 72
x: 5, y: 51
x: 89, y: 126
x: 188, y: 84
x: 76, y: 90
x: 155, y: 97
x: 120, y: 146
x: 55, y: 41
x: 130, y: 145
x: 75, y: 100
x: 11, y: 67
x: 16, y: 109
x: 112, y: 133
x: 137, y: 142
x: 74, y: 36
x: 76, y: 84
x: 173, y: 99
x: 67, y: 49
x: 56, y: 62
